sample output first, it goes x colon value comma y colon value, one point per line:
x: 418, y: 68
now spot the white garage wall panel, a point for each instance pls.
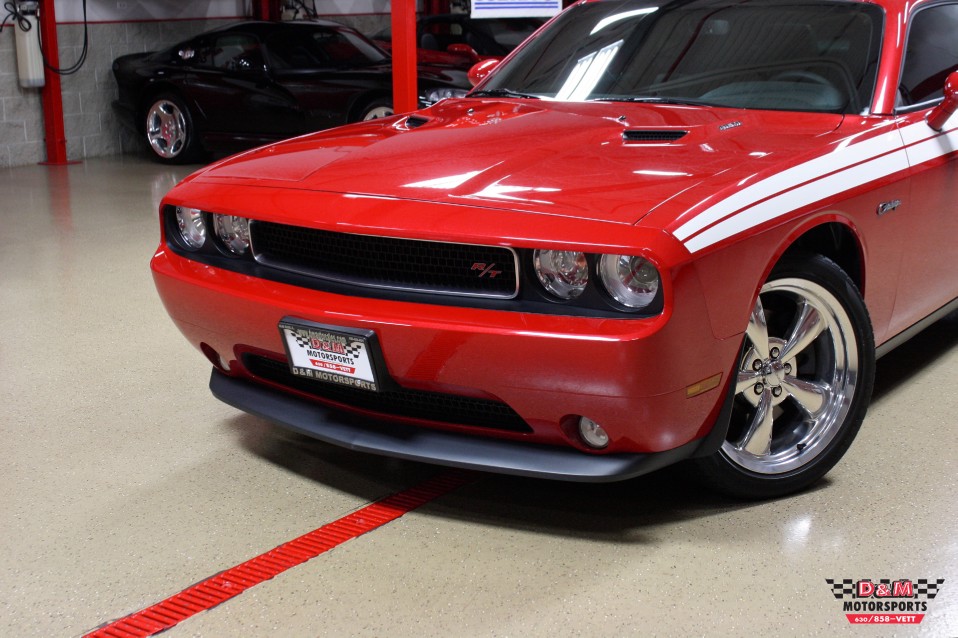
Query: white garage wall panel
x: 121, y: 10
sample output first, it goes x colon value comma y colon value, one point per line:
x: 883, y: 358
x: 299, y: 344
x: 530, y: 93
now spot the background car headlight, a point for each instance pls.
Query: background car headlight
x: 564, y: 273
x: 632, y: 281
x: 434, y: 95
x: 192, y: 227
x: 233, y: 232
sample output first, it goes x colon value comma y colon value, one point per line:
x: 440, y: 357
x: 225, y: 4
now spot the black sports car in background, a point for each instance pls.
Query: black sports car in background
x: 256, y: 82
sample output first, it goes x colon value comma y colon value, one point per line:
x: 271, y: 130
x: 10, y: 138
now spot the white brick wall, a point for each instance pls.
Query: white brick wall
x: 91, y: 127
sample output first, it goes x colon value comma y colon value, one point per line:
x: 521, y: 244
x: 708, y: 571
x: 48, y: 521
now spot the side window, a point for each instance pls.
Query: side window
x: 295, y: 50
x: 233, y: 52
x: 931, y: 55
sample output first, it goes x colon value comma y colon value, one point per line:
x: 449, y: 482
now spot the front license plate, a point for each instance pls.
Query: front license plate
x: 334, y: 355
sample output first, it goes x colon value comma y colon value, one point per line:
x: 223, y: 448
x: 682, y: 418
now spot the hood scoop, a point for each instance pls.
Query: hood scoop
x: 415, y: 121
x: 652, y: 136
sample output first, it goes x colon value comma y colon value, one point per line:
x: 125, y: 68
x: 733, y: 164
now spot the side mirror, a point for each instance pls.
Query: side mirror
x: 463, y: 49
x: 481, y: 69
x: 940, y: 114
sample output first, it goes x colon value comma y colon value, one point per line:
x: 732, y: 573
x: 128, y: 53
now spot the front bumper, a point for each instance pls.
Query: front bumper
x: 630, y: 376
x: 443, y: 448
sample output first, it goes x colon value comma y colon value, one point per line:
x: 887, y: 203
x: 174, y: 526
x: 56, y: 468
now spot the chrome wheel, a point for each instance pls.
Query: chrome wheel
x: 796, y: 381
x: 801, y: 385
x: 167, y: 129
x: 377, y: 110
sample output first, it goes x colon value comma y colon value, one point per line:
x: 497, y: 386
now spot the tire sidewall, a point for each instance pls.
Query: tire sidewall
x: 372, y: 106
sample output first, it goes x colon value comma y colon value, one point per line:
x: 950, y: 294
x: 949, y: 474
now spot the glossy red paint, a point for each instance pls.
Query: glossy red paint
x: 481, y: 69
x: 713, y: 210
x: 943, y: 112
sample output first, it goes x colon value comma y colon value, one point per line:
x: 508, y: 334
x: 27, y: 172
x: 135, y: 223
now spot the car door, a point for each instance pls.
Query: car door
x: 928, y: 277
x: 232, y: 86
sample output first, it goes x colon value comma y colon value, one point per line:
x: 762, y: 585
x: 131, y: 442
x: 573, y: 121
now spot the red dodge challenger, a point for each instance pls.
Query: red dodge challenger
x: 657, y: 231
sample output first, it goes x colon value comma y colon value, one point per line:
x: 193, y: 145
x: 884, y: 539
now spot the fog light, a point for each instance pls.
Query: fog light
x: 592, y: 433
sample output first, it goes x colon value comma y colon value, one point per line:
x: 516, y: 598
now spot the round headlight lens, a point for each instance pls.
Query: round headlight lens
x: 632, y: 281
x: 434, y: 95
x: 192, y: 227
x: 564, y: 273
x: 233, y: 232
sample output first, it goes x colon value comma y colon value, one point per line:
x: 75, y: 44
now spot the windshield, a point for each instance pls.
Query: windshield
x: 764, y: 54
x: 320, y: 47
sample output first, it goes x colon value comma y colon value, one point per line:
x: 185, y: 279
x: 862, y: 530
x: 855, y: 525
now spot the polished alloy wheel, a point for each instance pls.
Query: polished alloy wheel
x: 796, y: 380
x: 801, y: 386
x: 378, y: 112
x: 166, y: 129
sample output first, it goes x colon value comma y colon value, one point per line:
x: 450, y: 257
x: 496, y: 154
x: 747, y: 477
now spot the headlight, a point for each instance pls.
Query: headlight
x: 434, y: 95
x: 233, y: 232
x: 192, y: 226
x: 632, y: 281
x: 564, y: 273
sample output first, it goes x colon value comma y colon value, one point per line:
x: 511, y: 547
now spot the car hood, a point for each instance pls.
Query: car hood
x: 601, y: 161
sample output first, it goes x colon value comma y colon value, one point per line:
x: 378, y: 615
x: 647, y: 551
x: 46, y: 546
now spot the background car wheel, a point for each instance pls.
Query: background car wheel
x: 169, y: 130
x: 804, y: 380
x: 376, y: 109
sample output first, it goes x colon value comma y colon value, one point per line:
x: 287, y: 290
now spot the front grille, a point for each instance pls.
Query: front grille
x: 416, y: 404
x: 387, y: 262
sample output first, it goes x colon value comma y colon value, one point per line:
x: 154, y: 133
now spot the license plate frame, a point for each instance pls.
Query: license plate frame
x: 332, y: 354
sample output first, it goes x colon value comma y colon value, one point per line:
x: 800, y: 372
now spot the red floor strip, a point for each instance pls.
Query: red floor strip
x: 217, y: 589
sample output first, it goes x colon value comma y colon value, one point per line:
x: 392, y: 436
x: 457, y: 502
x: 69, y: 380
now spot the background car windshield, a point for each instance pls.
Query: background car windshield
x: 322, y: 48
x: 754, y: 54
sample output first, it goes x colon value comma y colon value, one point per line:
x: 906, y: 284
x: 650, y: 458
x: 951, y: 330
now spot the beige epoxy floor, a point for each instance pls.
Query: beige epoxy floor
x: 124, y: 481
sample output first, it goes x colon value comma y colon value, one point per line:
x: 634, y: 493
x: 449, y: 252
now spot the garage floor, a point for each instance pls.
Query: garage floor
x: 125, y: 482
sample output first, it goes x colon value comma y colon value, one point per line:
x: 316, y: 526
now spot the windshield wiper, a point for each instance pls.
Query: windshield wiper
x: 503, y: 93
x: 651, y: 99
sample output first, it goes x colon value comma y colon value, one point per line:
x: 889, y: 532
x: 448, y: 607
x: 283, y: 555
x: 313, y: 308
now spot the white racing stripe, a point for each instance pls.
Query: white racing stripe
x: 848, y: 166
x: 802, y: 196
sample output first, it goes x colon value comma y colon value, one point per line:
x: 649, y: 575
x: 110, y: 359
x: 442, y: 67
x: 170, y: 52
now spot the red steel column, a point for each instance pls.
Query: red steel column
x: 405, y: 97
x: 266, y: 9
x: 55, y: 132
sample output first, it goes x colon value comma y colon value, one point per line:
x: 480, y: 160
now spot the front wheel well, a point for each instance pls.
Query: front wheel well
x: 838, y: 243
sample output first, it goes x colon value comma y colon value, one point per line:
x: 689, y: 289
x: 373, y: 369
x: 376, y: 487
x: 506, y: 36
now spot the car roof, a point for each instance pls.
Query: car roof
x: 262, y: 27
x: 897, y: 5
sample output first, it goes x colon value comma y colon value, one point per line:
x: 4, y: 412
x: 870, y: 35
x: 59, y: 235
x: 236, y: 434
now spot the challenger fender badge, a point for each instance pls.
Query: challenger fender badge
x: 886, y: 207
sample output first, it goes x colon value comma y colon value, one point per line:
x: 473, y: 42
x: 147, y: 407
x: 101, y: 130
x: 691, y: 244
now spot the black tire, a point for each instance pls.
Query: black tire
x: 169, y: 131
x: 803, y: 383
x: 378, y: 108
